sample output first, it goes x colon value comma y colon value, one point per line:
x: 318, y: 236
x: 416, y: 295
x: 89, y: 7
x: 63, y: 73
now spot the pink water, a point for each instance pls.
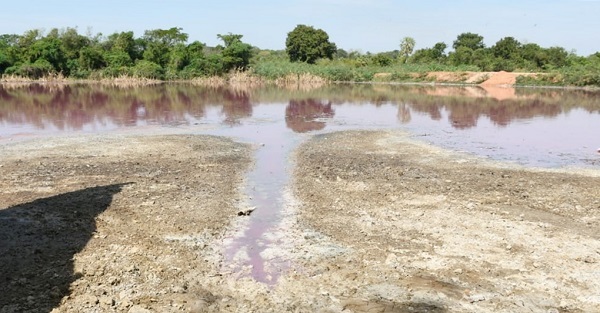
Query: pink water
x: 547, y: 128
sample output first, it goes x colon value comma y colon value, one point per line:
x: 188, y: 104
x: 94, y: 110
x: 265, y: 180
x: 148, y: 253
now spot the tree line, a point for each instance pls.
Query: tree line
x: 167, y: 54
x: 158, y: 54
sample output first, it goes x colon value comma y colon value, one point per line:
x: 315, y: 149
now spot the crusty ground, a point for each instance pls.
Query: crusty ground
x: 114, y: 223
x: 427, y: 228
x: 373, y: 222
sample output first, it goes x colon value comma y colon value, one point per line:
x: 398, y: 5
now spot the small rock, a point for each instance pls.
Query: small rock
x: 458, y: 271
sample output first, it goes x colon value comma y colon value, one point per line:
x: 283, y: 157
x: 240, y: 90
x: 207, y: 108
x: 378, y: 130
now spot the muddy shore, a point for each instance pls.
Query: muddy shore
x: 373, y: 222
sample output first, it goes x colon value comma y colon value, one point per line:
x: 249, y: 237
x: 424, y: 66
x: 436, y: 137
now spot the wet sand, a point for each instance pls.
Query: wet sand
x: 373, y: 221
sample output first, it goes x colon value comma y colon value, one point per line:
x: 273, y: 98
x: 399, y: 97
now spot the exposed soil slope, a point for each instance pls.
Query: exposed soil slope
x: 501, y: 78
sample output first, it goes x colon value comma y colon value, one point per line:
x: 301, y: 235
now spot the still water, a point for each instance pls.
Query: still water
x: 543, y: 128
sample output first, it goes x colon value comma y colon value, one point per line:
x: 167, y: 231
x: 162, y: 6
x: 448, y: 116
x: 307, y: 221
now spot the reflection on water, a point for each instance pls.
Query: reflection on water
x: 479, y: 120
x: 549, y: 127
x: 89, y: 107
x: 303, y: 115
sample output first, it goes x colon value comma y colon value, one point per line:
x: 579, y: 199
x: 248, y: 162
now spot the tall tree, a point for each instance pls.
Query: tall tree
x: 469, y: 40
x: 159, y: 43
x: 236, y: 54
x: 507, y: 48
x: 407, y: 46
x: 307, y: 44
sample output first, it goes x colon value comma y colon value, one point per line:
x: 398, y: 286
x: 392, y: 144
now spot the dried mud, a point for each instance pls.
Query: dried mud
x: 374, y: 222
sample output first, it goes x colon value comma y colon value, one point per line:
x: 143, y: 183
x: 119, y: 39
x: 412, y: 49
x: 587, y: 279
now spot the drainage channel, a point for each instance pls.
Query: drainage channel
x: 265, y: 185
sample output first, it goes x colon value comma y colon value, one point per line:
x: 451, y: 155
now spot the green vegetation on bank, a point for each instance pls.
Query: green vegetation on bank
x: 166, y: 54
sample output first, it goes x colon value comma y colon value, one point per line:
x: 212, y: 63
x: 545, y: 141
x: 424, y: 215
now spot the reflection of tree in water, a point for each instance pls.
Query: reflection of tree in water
x: 464, y: 114
x: 78, y: 106
x: 301, y: 115
x: 236, y: 105
x: 404, y: 113
x: 503, y: 115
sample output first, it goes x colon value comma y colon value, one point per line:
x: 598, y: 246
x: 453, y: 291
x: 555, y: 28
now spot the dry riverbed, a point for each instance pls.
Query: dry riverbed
x: 374, y: 222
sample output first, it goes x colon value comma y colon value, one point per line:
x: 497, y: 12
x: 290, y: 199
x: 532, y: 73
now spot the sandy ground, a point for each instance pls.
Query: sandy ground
x: 374, y: 222
x: 499, y: 79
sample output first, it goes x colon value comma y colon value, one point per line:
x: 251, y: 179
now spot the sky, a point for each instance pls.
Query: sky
x: 359, y: 25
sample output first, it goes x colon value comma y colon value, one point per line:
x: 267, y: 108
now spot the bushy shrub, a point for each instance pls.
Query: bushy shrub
x: 147, y: 69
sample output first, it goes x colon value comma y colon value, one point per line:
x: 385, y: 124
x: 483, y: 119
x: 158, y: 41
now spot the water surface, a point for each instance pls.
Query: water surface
x: 546, y: 127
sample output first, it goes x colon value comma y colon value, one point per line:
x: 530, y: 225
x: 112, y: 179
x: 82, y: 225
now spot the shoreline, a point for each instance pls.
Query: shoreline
x: 250, y: 80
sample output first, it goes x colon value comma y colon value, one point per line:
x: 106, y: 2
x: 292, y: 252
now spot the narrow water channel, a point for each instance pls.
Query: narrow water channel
x: 264, y: 189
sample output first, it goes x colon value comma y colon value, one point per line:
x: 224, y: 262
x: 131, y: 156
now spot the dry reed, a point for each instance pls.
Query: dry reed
x: 304, y: 81
x: 126, y: 81
x: 211, y: 81
x: 239, y: 80
x: 50, y: 81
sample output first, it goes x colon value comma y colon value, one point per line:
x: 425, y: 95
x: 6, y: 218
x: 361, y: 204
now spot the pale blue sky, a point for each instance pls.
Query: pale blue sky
x: 363, y: 25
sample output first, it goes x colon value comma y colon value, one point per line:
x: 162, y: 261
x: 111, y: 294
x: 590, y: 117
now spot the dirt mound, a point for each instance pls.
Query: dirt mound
x: 500, y: 79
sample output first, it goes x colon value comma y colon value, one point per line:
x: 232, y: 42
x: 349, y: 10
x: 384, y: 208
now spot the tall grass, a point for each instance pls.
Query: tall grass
x: 339, y: 71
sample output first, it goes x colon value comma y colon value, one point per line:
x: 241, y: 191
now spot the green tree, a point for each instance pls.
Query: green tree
x: 73, y: 42
x: 507, y: 48
x: 468, y: 40
x: 124, y: 42
x: 461, y: 56
x: 307, y: 44
x: 382, y: 59
x: 159, y: 42
x: 533, y: 56
x: 557, y: 57
x: 91, y: 58
x: 147, y: 69
x: 434, y: 54
x: 236, y: 54
x: 8, y: 51
x: 51, y: 50
x: 196, y: 61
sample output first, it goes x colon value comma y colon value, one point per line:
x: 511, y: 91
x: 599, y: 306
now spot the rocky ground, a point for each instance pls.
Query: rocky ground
x: 374, y: 222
